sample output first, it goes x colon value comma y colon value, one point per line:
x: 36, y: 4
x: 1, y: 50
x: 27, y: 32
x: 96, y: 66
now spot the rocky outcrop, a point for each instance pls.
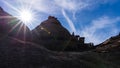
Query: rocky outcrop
x: 111, y: 44
x: 54, y: 36
x: 11, y: 26
x: 51, y: 34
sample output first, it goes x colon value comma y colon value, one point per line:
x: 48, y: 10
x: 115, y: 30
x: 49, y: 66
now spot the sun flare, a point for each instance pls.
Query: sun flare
x: 26, y: 16
x: 23, y: 13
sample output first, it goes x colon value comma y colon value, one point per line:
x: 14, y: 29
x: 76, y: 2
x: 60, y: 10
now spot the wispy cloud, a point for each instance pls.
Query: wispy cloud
x: 75, y: 5
x: 90, y: 32
x: 69, y: 21
x: 71, y: 5
x: 52, y: 7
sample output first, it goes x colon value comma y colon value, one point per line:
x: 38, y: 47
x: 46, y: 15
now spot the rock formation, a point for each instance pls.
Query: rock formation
x: 51, y: 34
x: 111, y: 44
x: 54, y: 36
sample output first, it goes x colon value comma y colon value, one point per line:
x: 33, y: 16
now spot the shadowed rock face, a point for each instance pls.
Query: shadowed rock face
x: 53, y: 27
x: 51, y: 33
x: 111, y: 44
x: 11, y: 26
x: 54, y: 36
x: 21, y: 54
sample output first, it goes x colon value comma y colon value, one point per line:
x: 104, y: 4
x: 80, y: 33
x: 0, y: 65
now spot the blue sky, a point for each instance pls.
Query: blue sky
x: 97, y: 20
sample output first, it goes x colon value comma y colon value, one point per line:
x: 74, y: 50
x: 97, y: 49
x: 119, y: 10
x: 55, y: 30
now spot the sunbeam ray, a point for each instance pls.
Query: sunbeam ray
x: 19, y: 29
x: 3, y: 17
x: 15, y: 9
x: 14, y: 26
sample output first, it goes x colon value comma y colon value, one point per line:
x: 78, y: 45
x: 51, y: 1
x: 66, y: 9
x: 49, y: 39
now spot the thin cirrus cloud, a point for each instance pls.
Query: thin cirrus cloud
x: 74, y: 6
x: 71, y: 5
x: 52, y: 7
x: 101, y: 23
x: 69, y: 21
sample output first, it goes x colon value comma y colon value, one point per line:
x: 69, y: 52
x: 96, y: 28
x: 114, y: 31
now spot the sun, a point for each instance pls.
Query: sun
x: 24, y: 13
x: 26, y: 16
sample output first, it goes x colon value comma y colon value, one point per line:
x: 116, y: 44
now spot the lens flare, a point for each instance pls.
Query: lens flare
x: 25, y: 16
x: 22, y: 15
